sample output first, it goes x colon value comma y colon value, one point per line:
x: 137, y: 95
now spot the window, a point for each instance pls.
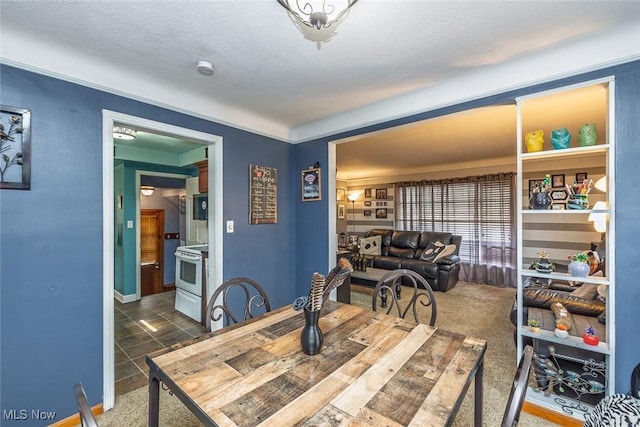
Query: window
x: 480, y: 209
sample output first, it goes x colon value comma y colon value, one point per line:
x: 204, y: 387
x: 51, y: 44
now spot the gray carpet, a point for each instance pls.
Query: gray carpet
x: 477, y: 310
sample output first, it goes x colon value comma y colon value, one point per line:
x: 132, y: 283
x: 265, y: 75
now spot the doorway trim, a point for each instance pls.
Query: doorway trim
x: 215, y: 225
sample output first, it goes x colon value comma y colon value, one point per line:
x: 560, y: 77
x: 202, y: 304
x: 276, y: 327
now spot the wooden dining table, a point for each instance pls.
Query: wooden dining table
x: 373, y: 369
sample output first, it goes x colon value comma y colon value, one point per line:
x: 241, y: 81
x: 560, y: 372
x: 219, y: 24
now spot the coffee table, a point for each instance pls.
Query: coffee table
x: 374, y: 275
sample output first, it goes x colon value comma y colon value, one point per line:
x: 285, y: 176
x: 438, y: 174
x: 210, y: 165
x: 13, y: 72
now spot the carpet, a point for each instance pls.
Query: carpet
x: 478, y: 310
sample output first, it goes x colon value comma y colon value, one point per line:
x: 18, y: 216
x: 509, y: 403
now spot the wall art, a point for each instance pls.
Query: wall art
x: 15, y: 148
x: 381, y: 193
x: 263, y: 195
x: 311, y: 185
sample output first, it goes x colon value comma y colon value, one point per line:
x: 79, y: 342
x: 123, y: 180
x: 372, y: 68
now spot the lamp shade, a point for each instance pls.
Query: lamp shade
x: 146, y: 190
x: 599, y: 217
x: 601, y: 184
x: 353, y: 197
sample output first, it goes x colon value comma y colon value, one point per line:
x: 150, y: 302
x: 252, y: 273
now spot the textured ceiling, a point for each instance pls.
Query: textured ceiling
x: 388, y: 58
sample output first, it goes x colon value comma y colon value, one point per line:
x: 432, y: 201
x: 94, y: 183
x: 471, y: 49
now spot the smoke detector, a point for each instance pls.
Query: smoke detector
x: 205, y: 67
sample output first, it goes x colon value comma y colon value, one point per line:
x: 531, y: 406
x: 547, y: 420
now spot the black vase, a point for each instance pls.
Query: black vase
x: 540, y: 200
x: 311, y: 335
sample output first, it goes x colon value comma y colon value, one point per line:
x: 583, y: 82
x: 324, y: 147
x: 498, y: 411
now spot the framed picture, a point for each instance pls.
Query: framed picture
x: 533, y: 183
x: 311, y: 185
x: 341, y: 195
x: 367, y: 203
x: 559, y: 206
x: 559, y: 194
x: 557, y: 180
x: 581, y: 176
x: 353, y: 239
x: 340, y: 211
x: 366, y: 212
x: 381, y: 213
x: 367, y: 193
x: 15, y: 146
x: 381, y: 193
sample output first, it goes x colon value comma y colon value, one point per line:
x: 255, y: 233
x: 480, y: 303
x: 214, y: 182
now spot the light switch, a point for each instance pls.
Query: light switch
x: 230, y: 226
x: 130, y: 223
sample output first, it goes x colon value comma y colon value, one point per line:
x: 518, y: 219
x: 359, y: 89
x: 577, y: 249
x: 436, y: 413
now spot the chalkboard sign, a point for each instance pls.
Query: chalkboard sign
x: 263, y: 195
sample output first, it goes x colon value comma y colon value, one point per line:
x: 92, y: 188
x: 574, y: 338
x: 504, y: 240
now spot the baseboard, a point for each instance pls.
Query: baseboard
x: 74, y: 420
x: 551, y: 416
x: 124, y: 298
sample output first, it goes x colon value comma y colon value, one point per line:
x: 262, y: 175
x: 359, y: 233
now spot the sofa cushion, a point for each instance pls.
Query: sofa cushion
x: 432, y: 250
x: 400, y: 252
x: 448, y: 250
x: 434, y: 236
x: 387, y: 262
x: 386, y: 237
x: 371, y: 245
x: 405, y: 240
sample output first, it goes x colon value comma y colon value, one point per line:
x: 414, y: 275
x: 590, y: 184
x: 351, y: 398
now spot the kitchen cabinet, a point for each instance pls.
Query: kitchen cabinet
x: 203, y: 176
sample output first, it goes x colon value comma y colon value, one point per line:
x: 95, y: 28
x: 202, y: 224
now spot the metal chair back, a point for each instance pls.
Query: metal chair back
x: 518, y: 389
x: 86, y: 416
x: 388, y: 288
x: 238, y: 294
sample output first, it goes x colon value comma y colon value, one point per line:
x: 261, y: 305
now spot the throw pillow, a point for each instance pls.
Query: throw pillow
x: 371, y: 245
x: 448, y: 250
x: 431, y: 251
x: 586, y: 291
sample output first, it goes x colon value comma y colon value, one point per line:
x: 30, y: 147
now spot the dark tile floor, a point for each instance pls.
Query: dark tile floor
x: 142, y: 327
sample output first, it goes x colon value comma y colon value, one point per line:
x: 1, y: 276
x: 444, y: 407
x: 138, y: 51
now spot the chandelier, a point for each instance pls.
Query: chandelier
x: 317, y: 13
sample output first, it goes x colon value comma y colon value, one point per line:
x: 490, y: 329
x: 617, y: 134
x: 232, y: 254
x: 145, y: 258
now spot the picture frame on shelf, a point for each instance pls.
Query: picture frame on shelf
x: 381, y: 193
x: 533, y: 183
x: 559, y: 194
x: 580, y: 177
x: 341, y: 212
x: 557, y: 181
x: 341, y: 195
x: 366, y: 212
x: 558, y: 206
x: 311, y: 190
x: 15, y: 146
x: 381, y: 213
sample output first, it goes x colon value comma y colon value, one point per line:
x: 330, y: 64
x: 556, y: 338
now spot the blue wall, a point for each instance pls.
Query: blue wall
x: 51, y: 245
x: 627, y: 183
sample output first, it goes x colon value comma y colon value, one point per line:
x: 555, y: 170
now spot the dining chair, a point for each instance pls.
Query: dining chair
x: 86, y: 416
x: 518, y: 389
x: 388, y: 286
x: 238, y: 294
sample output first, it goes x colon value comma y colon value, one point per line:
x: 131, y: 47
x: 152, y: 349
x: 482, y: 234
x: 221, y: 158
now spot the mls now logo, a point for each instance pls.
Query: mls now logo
x: 23, y: 414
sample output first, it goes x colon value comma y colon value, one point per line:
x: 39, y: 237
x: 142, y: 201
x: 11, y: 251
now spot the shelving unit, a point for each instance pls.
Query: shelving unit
x: 562, y: 232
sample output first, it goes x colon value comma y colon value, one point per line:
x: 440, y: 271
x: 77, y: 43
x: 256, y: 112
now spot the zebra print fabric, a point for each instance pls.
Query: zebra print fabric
x: 617, y: 410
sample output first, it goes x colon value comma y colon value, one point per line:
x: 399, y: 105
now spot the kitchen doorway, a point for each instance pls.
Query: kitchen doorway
x: 110, y: 199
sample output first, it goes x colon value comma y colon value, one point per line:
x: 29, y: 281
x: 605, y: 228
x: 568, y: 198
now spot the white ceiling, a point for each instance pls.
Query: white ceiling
x: 388, y: 58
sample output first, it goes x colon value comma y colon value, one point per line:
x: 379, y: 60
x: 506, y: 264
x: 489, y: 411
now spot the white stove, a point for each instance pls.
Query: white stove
x: 192, y: 280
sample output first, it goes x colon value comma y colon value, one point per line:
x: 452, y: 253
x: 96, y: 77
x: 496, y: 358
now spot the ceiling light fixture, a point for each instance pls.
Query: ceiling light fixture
x: 121, y: 132
x: 146, y: 190
x: 205, y: 67
x: 317, y: 13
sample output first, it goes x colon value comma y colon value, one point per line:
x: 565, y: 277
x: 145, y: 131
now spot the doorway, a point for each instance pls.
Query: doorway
x: 215, y: 181
x: 151, y: 251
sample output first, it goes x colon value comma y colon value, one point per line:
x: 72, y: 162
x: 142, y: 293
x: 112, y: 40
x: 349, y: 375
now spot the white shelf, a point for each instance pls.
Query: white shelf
x: 563, y: 211
x: 598, y: 280
x: 570, y: 341
x: 549, y: 402
x: 575, y: 151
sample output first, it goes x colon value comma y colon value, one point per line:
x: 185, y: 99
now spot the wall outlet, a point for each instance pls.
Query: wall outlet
x: 130, y: 223
x: 230, y: 226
